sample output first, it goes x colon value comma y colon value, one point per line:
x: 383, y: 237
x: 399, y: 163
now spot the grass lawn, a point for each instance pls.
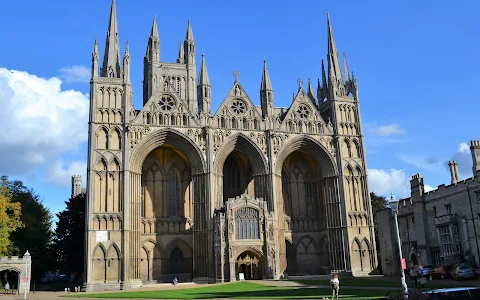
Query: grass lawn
x: 389, y: 282
x: 240, y: 290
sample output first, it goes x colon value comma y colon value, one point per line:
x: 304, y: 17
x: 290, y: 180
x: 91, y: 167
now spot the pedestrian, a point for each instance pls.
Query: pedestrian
x: 414, y: 273
x: 335, y: 285
x: 7, y: 287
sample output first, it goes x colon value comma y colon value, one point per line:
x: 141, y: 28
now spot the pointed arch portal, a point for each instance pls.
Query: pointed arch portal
x: 311, y: 205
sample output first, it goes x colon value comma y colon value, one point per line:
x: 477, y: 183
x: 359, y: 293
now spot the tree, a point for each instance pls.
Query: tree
x: 69, y: 238
x: 378, y: 203
x: 36, y: 234
x: 10, y: 212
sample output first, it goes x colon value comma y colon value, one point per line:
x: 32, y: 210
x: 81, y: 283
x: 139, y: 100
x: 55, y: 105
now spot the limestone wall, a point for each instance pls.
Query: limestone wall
x: 21, y: 265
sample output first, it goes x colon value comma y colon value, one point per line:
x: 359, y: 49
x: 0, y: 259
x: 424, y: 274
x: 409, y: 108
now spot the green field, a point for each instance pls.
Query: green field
x: 239, y: 290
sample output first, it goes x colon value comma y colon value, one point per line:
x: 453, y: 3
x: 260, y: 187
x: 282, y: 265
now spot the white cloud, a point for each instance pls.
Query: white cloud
x: 75, y: 73
x: 38, y: 121
x: 387, y: 130
x: 61, y: 175
x: 428, y: 188
x: 385, y: 182
x: 463, y: 157
x: 463, y: 148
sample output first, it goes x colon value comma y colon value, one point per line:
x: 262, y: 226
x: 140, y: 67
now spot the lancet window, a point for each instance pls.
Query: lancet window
x: 246, y: 223
x: 173, y: 188
x: 232, y: 179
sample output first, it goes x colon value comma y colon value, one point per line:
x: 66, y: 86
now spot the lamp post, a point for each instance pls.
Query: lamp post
x: 399, y: 243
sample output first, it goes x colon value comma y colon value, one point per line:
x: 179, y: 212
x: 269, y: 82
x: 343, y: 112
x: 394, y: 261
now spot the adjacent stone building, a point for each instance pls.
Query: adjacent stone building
x: 77, y: 188
x: 176, y: 190
x: 438, y: 227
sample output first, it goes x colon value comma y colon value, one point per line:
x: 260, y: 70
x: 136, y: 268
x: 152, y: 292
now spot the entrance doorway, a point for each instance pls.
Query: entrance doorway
x: 12, y: 277
x: 250, y: 265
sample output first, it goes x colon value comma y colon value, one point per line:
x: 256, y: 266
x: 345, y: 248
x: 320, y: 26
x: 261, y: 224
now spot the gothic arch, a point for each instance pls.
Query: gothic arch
x: 180, y: 244
x: 99, y: 263
x: 115, y: 138
x: 239, y: 250
x: 114, y: 164
x: 101, y: 138
x: 311, y: 146
x: 171, y: 137
x: 309, y: 238
x: 241, y: 142
x: 359, y: 170
x: 307, y: 252
x: 100, y: 159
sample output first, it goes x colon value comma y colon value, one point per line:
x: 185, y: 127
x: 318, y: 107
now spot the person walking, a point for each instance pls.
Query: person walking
x: 7, y: 287
x: 335, y: 286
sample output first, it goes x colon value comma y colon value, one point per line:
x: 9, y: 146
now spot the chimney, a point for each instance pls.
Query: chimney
x: 475, y: 149
x: 452, y: 164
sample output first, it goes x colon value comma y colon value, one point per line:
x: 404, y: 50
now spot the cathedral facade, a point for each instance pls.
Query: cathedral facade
x: 176, y: 190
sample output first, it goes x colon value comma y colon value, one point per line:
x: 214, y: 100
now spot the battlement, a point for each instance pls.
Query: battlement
x: 77, y: 177
x: 416, y: 176
x: 475, y: 143
x: 5, y: 259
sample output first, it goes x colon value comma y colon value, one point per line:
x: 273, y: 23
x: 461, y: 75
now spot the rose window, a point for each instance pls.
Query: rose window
x: 166, y: 103
x: 238, y: 107
x: 303, y: 111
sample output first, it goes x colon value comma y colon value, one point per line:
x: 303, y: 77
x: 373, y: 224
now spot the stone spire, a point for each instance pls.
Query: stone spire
x: 310, y: 93
x: 126, y: 64
x: 345, y: 67
x: 266, y: 84
x: 189, y: 45
x: 153, y: 46
x: 189, y: 35
x: 95, y: 56
x: 204, y: 89
x: 334, y: 71
x: 111, y: 58
x: 204, y: 80
x: 181, y: 54
x: 266, y: 92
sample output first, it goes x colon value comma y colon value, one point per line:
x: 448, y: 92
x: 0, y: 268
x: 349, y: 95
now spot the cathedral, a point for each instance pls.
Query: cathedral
x: 175, y: 189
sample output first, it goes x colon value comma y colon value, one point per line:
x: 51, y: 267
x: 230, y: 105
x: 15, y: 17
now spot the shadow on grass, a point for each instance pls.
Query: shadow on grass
x: 389, y: 282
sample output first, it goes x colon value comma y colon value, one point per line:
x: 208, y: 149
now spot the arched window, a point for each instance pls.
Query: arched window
x: 231, y: 179
x: 177, y: 262
x: 246, y: 224
x: 173, y: 189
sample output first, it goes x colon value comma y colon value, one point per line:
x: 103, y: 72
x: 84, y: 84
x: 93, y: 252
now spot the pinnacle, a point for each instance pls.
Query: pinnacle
x: 154, y: 31
x: 204, y: 80
x: 265, y: 84
x: 189, y: 35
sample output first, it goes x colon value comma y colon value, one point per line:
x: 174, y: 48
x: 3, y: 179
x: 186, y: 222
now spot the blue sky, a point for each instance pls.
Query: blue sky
x: 416, y: 63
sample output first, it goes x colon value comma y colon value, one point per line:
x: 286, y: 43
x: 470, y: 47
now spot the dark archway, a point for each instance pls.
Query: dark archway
x: 240, y: 165
x: 12, y: 276
x: 237, y: 176
x: 306, y: 176
x: 291, y: 258
x: 250, y: 265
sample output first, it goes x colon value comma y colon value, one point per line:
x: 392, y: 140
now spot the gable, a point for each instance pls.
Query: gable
x: 165, y: 108
x: 237, y: 110
x: 303, y: 116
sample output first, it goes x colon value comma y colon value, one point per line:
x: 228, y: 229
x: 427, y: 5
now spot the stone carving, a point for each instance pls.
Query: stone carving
x: 136, y: 134
x: 271, y: 232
